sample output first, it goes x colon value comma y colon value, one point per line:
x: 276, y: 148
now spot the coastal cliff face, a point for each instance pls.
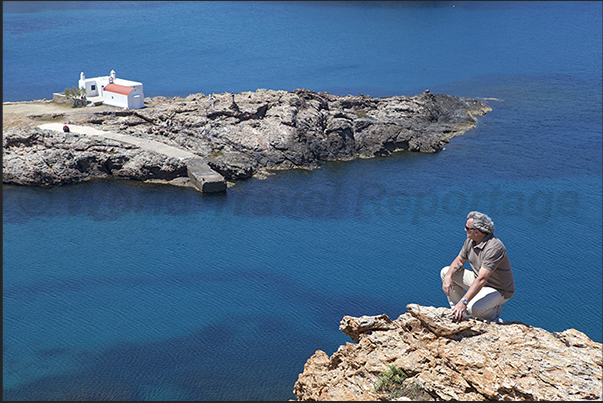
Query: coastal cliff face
x: 447, y: 360
x: 239, y: 135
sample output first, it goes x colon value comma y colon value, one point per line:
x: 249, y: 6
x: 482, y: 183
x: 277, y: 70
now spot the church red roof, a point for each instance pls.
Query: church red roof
x: 118, y: 89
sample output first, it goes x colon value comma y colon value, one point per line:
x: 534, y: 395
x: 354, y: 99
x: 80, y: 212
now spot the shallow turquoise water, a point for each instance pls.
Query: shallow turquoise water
x: 123, y: 291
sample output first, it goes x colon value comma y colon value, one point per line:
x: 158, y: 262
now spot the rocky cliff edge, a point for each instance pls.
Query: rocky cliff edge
x: 441, y: 359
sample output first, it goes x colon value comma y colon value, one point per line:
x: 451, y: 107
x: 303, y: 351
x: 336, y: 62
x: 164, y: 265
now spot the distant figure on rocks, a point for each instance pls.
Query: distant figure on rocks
x: 65, y: 128
x: 482, y: 290
x: 234, y: 105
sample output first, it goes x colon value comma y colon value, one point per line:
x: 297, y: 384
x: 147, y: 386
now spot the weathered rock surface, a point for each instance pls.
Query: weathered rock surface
x: 447, y: 360
x: 240, y: 135
x: 43, y: 157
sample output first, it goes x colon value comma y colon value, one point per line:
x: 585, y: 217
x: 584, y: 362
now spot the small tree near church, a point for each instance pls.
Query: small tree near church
x: 77, y: 94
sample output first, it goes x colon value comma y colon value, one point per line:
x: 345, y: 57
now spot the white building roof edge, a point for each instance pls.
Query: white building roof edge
x: 120, y: 81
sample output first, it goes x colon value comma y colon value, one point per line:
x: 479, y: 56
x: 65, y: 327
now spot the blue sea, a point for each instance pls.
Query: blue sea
x: 117, y: 290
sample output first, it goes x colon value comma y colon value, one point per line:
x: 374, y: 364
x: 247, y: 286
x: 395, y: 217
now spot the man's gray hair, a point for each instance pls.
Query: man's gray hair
x: 482, y: 222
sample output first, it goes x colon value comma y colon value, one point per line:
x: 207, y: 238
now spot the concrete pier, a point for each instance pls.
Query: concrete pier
x: 201, y: 175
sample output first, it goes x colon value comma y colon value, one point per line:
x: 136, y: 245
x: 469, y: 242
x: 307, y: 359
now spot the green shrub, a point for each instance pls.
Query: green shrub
x: 74, y: 92
x: 391, y: 381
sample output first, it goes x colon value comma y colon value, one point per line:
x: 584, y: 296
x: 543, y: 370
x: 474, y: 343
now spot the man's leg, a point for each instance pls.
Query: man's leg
x: 487, y: 304
x: 462, y: 281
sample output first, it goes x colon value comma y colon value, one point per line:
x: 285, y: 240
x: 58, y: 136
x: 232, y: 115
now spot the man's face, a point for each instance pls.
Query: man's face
x: 472, y: 233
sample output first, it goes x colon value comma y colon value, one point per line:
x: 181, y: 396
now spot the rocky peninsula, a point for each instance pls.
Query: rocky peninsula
x: 426, y: 355
x: 237, y: 135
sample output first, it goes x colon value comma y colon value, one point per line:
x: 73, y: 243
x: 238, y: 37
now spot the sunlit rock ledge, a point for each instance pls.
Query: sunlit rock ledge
x: 238, y: 135
x: 447, y: 360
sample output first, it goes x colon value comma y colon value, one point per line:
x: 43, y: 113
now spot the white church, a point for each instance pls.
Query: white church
x: 113, y: 91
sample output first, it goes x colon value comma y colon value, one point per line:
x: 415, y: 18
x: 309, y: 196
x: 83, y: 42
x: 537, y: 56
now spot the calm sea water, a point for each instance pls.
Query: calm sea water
x: 125, y: 291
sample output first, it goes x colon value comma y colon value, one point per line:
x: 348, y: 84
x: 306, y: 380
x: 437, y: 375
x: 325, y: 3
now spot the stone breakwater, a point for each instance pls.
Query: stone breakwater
x: 447, y: 360
x: 237, y: 135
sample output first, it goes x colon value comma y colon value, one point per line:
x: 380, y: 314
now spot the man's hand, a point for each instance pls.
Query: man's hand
x: 458, y: 310
x: 447, y: 284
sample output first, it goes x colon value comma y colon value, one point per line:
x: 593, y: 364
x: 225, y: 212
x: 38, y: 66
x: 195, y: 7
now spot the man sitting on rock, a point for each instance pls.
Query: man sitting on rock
x: 482, y: 291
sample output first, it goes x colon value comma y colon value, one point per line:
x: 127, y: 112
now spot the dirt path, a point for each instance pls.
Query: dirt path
x: 145, y: 144
x: 30, y: 114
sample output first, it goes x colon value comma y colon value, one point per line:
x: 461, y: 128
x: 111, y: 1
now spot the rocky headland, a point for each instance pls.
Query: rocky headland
x: 436, y: 358
x: 237, y: 135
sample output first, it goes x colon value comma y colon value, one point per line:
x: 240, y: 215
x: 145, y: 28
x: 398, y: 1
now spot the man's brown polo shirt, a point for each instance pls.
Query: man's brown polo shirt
x: 492, y: 255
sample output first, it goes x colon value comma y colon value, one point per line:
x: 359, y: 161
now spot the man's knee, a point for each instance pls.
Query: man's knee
x: 481, y: 314
x: 443, y: 272
x: 481, y: 311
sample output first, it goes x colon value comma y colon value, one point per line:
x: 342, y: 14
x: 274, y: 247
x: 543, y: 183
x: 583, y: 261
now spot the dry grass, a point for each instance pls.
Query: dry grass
x: 16, y: 122
x: 30, y: 114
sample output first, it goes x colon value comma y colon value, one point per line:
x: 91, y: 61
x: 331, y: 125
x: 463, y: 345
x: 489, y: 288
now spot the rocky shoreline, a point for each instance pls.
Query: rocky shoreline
x: 238, y: 135
x: 441, y: 359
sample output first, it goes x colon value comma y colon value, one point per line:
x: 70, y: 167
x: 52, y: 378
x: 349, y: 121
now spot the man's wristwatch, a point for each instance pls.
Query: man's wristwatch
x: 464, y: 301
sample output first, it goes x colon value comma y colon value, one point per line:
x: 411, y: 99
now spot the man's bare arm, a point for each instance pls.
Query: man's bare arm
x: 455, y: 267
x: 459, y: 309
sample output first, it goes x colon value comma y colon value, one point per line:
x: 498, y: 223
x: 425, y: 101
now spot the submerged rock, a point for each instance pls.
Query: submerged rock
x: 447, y: 360
x: 242, y: 135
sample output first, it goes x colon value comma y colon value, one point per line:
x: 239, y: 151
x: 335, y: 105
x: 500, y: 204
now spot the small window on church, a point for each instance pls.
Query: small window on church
x: 93, y: 87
